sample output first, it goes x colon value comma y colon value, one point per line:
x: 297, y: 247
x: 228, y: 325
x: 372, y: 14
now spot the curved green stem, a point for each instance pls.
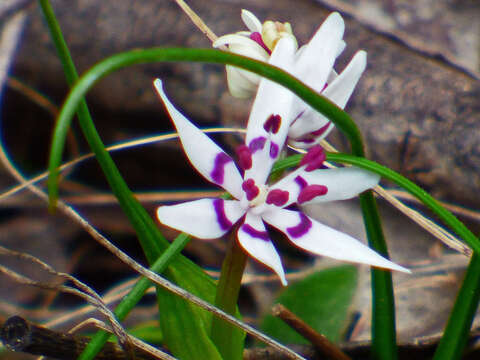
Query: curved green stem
x: 341, y: 119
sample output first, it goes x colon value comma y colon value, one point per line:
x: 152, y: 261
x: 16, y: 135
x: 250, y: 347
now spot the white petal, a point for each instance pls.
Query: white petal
x: 239, y: 85
x: 253, y: 237
x: 319, y: 239
x: 342, y: 183
x: 271, y: 99
x: 204, y: 218
x: 340, y: 90
x: 251, y: 21
x: 206, y: 156
x: 319, y: 55
x: 234, y: 39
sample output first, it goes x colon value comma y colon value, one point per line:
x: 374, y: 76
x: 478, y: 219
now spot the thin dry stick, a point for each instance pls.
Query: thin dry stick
x: 83, y: 290
x: 139, y: 344
x: 126, y: 145
x: 321, y: 343
x: 197, y: 20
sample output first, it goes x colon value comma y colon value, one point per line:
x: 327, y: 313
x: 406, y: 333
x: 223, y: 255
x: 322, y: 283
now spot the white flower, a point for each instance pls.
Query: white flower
x: 256, y: 203
x: 312, y: 64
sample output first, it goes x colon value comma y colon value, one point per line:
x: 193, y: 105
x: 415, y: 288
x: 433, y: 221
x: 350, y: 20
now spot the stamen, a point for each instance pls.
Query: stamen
x: 310, y: 192
x: 257, y: 37
x: 244, y: 156
x: 257, y: 144
x: 301, y: 228
x: 218, y: 172
x: 301, y: 182
x: 273, y: 123
x: 277, y: 197
x: 314, y: 158
x: 219, y: 207
x: 251, y: 190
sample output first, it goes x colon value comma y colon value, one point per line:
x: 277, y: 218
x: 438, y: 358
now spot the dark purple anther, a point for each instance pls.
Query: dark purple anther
x: 250, y: 230
x: 277, y: 197
x: 314, y: 158
x: 251, y: 190
x: 301, y: 182
x: 274, y: 150
x: 273, y: 123
x: 244, y: 157
x: 257, y: 37
x: 219, y: 207
x: 257, y: 144
x: 218, y: 172
x: 302, y: 228
x: 310, y: 192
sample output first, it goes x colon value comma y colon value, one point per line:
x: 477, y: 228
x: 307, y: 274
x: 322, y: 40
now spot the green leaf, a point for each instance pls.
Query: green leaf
x: 321, y: 300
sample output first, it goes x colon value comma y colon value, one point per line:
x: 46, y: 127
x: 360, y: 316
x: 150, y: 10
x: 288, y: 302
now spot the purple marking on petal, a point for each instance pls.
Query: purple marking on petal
x: 273, y: 123
x: 244, y: 156
x: 218, y: 172
x: 277, y: 197
x: 301, y: 182
x: 310, y: 192
x: 257, y: 144
x: 314, y: 158
x: 321, y: 130
x: 251, y: 190
x: 273, y: 150
x: 305, y: 140
x: 301, y: 228
x: 219, y: 207
x: 250, y: 230
x: 257, y: 37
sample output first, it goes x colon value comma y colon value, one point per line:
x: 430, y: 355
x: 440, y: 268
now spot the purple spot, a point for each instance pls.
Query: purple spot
x: 310, y: 192
x: 257, y: 37
x: 251, y: 190
x: 301, y: 182
x: 302, y: 227
x: 273, y: 150
x: 277, y: 197
x: 314, y: 158
x: 257, y: 144
x: 218, y: 171
x: 244, y: 157
x: 273, y: 123
x: 250, y: 230
x: 321, y: 130
x: 219, y: 207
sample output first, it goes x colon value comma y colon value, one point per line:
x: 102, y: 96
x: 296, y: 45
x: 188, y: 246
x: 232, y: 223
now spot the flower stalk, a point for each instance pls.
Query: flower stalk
x: 228, y: 289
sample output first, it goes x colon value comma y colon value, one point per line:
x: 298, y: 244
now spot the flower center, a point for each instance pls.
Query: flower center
x: 274, y: 31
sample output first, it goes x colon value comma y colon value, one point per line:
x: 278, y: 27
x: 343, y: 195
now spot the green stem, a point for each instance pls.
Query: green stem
x: 460, y: 321
x: 134, y: 296
x: 223, y: 333
x: 383, y: 301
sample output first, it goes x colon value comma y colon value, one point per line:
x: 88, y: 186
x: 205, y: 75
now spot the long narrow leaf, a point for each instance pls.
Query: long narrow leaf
x: 187, y: 317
